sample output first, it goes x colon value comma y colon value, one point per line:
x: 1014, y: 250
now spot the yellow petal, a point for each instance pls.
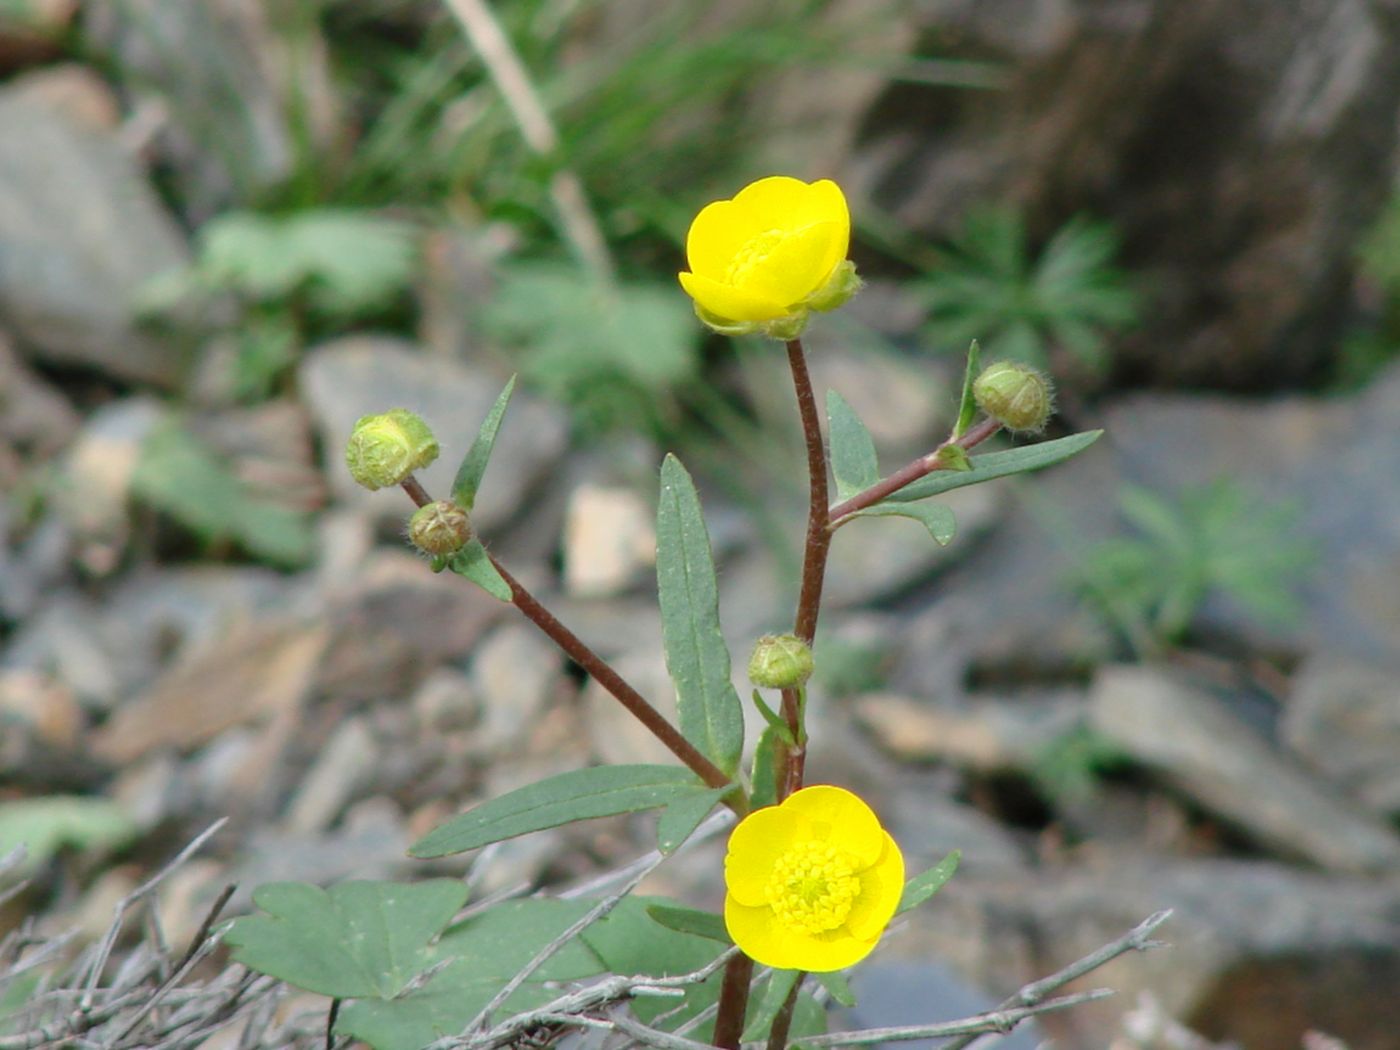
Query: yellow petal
x: 730, y: 303
x: 797, y: 266
x: 836, y: 816
x: 754, y: 847
x: 826, y: 203
x: 716, y: 236
x: 881, y: 886
x: 767, y: 941
x: 778, y: 202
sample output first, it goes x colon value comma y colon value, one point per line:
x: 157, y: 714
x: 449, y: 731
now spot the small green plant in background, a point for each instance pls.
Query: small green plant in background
x: 275, y: 282
x: 1370, y: 347
x: 1067, y: 768
x: 990, y: 286
x: 1214, y: 539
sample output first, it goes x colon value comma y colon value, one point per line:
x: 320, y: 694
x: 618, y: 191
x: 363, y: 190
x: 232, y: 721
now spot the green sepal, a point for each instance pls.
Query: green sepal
x: 473, y: 562
x: 473, y: 466
x: 967, y: 409
x: 923, y: 886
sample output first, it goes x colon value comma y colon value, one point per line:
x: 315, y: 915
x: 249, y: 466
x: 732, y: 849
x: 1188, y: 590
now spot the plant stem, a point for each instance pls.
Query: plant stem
x: 733, y: 1002
x: 782, y: 1021
x: 909, y: 473
x: 818, y: 535
x: 602, y: 672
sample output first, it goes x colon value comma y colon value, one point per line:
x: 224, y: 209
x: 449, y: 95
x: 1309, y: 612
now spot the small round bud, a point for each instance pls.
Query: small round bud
x: 385, y: 449
x: 439, y: 528
x: 780, y: 661
x: 1016, y: 396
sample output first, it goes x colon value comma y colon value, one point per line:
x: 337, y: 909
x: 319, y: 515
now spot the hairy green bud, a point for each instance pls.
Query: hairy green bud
x: 1017, y: 396
x: 439, y: 528
x: 780, y: 661
x: 385, y: 449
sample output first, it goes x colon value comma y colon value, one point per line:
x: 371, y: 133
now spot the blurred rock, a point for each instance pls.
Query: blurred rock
x: 33, y: 30
x: 446, y: 702
x: 151, y: 791
x: 609, y: 540
x: 516, y: 673
x: 397, y: 622
x: 62, y: 641
x: 987, y: 735
x: 1343, y: 718
x: 359, y: 375
x: 225, y: 75
x: 253, y: 673
x: 617, y: 737
x: 81, y: 233
x: 74, y: 90
x: 1260, y: 952
x: 1243, y: 217
x: 342, y: 767
x: 35, y: 417
x: 1190, y: 739
x: 42, y: 705
x: 270, y: 448
x: 905, y: 404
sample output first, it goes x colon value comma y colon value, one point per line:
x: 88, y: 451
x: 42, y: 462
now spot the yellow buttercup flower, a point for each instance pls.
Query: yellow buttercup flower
x: 812, y: 882
x: 767, y: 257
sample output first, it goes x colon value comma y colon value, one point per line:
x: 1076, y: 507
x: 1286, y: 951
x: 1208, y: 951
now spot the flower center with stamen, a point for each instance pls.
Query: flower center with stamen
x: 752, y: 255
x: 812, y: 887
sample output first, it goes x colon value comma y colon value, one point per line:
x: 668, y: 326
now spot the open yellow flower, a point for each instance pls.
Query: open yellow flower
x: 775, y: 251
x: 812, y: 882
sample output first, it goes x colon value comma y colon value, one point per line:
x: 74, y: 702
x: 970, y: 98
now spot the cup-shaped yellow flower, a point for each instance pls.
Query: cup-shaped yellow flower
x: 812, y: 882
x: 764, y: 259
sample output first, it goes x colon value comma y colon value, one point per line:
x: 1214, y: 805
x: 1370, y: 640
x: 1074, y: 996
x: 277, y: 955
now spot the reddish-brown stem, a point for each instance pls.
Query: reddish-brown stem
x: 794, y: 757
x: 818, y: 544
x: 782, y: 1021
x: 733, y: 1002
x: 910, y: 472
x: 601, y: 672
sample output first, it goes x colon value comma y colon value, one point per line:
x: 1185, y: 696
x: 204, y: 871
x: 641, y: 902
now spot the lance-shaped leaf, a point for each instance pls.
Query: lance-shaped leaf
x: 765, y: 770
x: 923, y: 886
x: 691, y: 920
x: 356, y: 940
x: 853, y: 460
x: 935, y: 517
x: 683, y: 815
x: 473, y: 563
x: 601, y: 791
x: 469, y: 474
x: 711, y: 715
x: 967, y: 407
x: 991, y: 465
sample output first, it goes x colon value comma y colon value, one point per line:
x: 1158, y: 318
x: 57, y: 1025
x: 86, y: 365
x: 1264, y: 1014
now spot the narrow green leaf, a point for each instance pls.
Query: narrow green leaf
x: 921, y: 887
x: 993, y: 465
x: 601, y: 791
x: 936, y: 517
x: 472, y: 562
x: 764, y: 772
x: 473, y: 466
x: 780, y: 983
x: 356, y: 940
x: 711, y: 715
x: 853, y: 460
x: 835, y: 984
x: 690, y: 920
x: 967, y: 409
x: 775, y: 720
x: 684, y: 815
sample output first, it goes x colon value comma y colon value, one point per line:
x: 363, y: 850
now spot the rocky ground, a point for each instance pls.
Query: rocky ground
x: 151, y: 684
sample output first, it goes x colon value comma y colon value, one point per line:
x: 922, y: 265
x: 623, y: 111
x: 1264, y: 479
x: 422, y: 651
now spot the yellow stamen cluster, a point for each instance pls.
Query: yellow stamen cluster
x: 812, y: 887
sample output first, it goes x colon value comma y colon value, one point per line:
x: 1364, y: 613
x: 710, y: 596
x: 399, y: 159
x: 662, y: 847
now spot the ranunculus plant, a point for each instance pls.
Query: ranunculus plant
x: 812, y: 880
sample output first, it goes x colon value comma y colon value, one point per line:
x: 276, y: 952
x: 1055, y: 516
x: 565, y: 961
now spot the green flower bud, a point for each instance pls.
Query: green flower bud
x: 840, y: 286
x: 780, y: 661
x: 385, y: 449
x: 439, y: 528
x: 1017, y: 396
